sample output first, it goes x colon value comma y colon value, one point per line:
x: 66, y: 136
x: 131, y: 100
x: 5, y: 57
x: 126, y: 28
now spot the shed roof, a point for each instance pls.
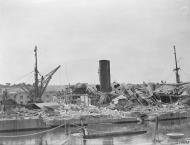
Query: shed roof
x: 49, y: 105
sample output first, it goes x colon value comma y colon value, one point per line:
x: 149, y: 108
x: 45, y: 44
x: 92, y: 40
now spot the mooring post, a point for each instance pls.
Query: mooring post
x: 84, y: 130
x: 82, y: 127
x: 156, y: 128
x: 66, y: 128
x: 157, y: 119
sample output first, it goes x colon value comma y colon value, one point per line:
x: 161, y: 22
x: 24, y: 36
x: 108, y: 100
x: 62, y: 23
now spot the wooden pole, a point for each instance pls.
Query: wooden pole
x: 82, y: 127
x: 156, y: 128
x: 66, y: 128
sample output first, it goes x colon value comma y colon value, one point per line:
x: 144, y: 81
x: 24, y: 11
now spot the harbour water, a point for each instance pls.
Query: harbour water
x: 58, y: 136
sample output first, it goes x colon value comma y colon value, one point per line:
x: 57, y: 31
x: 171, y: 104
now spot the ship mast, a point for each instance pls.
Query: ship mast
x: 36, y: 74
x: 176, y: 67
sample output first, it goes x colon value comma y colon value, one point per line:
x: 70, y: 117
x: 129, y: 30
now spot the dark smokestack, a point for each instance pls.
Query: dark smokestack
x: 104, y: 75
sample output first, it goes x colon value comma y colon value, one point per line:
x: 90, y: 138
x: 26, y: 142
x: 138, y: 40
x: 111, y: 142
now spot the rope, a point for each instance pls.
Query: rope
x: 34, y: 133
x: 88, y: 128
x: 66, y: 140
x: 75, y: 125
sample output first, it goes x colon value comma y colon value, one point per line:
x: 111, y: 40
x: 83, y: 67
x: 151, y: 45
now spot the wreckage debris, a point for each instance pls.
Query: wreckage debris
x: 125, y: 100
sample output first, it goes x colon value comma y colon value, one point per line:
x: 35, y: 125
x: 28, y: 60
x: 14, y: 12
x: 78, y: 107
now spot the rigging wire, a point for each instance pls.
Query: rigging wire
x: 60, y: 77
x: 169, y: 77
x: 184, y: 74
x: 23, y: 76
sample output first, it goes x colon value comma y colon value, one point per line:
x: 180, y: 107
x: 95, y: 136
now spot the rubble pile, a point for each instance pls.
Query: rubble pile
x: 76, y: 112
x: 126, y: 97
x: 20, y: 113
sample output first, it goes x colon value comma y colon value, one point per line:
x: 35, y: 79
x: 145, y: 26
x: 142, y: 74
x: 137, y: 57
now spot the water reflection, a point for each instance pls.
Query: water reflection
x: 57, y: 137
x: 51, y: 138
x: 108, y: 141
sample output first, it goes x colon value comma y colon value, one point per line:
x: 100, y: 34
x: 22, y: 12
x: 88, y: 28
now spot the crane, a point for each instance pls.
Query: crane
x: 36, y: 91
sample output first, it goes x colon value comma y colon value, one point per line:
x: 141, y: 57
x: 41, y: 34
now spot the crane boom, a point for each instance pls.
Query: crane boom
x: 45, y: 81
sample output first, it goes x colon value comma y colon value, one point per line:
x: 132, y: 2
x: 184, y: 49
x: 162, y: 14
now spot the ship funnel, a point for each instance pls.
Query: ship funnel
x: 104, y: 75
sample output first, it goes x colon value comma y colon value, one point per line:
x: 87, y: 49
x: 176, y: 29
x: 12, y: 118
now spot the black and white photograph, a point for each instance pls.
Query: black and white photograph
x: 94, y: 72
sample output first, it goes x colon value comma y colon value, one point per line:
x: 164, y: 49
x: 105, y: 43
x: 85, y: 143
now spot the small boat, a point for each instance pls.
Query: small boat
x: 108, y: 134
x: 175, y: 135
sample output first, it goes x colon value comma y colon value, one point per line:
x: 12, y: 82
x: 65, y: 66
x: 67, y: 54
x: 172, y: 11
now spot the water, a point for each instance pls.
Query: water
x: 57, y: 136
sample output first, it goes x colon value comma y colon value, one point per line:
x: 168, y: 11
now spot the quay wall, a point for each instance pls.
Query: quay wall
x: 169, y: 116
x: 91, y: 120
x: 33, y: 124
x: 23, y: 124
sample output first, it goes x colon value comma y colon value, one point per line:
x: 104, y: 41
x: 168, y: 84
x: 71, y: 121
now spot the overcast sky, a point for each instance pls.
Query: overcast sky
x: 137, y: 37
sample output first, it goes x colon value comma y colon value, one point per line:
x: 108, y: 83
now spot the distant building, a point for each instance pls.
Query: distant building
x: 79, y: 99
x: 85, y: 99
x: 21, y: 98
x: 15, y: 94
